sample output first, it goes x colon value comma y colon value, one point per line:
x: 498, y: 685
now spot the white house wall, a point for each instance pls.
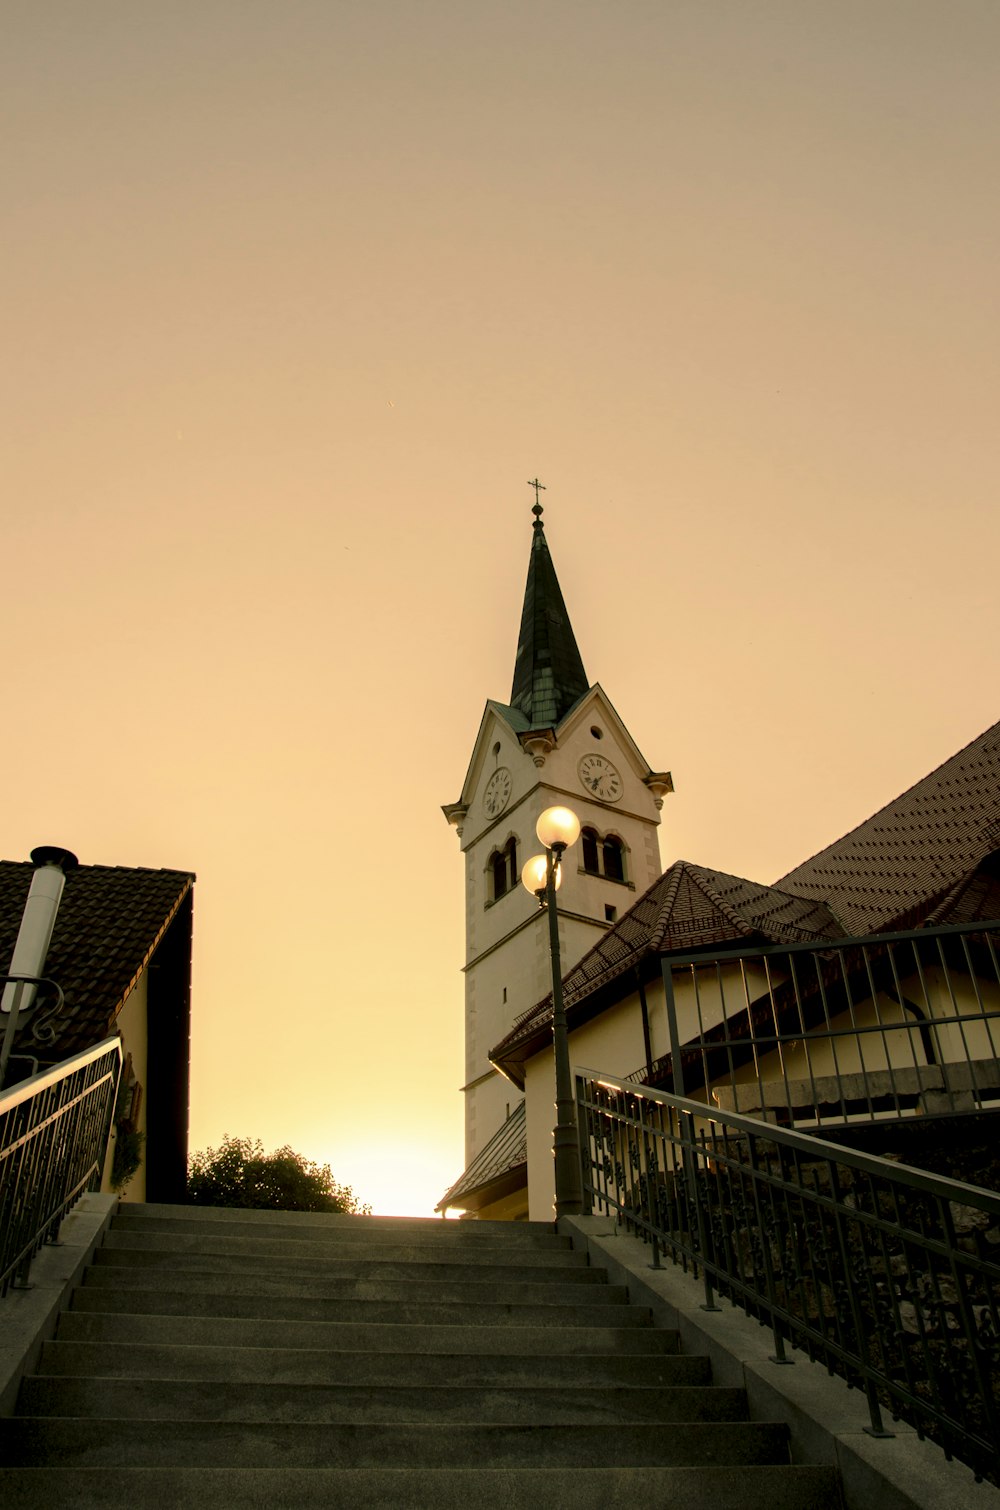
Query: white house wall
x: 612, y: 1043
x: 132, y: 1023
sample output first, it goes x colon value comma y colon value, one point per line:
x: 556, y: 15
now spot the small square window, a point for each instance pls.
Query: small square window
x: 610, y: 913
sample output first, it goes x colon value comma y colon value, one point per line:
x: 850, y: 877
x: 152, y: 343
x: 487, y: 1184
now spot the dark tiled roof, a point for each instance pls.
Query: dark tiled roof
x: 925, y: 858
x: 891, y: 870
x: 110, y: 920
x: 976, y: 898
x: 505, y: 1153
x: 548, y: 671
x: 689, y: 907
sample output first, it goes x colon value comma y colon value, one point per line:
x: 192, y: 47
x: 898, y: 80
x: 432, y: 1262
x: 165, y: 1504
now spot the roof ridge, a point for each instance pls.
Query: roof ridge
x: 675, y: 871
x: 699, y: 873
x: 907, y: 791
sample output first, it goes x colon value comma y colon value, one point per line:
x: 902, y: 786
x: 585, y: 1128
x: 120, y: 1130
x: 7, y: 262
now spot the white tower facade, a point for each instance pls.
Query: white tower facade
x: 559, y: 740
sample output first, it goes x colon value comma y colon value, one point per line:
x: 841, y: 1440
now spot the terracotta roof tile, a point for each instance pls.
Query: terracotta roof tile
x: 892, y: 869
x: 506, y: 1151
x: 688, y: 907
x: 110, y: 920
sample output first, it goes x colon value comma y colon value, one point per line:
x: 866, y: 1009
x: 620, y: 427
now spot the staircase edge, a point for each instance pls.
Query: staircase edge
x: 825, y: 1419
x: 28, y: 1317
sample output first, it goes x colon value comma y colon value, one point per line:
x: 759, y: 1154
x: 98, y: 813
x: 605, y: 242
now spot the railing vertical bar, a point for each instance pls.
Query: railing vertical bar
x: 53, y: 1134
x: 673, y: 1035
x: 942, y: 956
x: 974, y: 980
x: 728, y: 1039
x: 776, y: 1030
x: 699, y: 1017
x: 989, y: 1017
x: 806, y: 1055
x: 913, y: 1031
x: 817, y: 958
x: 880, y: 1024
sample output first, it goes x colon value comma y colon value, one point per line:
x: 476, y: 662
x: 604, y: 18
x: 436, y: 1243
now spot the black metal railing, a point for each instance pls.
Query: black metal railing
x: 887, y: 1275
x: 54, y: 1130
x: 889, y: 1025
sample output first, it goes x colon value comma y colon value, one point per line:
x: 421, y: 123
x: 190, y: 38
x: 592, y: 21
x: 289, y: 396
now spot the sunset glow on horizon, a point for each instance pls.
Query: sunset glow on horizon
x: 299, y: 297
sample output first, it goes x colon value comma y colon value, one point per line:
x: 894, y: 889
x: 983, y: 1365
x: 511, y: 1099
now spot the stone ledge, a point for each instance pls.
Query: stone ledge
x: 28, y: 1318
x: 826, y: 1420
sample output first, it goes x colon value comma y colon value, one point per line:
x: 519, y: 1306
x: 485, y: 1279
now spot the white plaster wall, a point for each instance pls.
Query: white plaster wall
x: 703, y: 998
x: 957, y: 996
x: 507, y: 941
x: 132, y: 1024
x: 612, y: 1043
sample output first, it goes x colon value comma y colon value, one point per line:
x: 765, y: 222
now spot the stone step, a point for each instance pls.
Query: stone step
x: 750, y: 1487
x: 322, y: 1227
x: 279, y: 1365
x: 220, y: 1261
x: 335, y: 1248
x: 33, y: 1441
x: 236, y: 1359
x: 222, y: 1331
x: 182, y: 1399
x: 365, y: 1312
x: 450, y: 1231
x: 196, y: 1281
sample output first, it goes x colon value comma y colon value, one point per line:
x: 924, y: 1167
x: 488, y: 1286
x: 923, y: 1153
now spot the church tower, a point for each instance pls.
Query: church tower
x: 558, y: 740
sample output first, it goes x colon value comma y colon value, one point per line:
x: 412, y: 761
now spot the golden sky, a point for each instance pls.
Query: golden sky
x: 298, y: 295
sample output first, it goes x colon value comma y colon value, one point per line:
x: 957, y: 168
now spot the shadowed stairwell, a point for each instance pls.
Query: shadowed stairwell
x: 246, y: 1358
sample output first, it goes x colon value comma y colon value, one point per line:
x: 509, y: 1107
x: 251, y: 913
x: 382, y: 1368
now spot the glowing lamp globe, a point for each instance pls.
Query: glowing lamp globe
x: 558, y: 828
x: 533, y: 875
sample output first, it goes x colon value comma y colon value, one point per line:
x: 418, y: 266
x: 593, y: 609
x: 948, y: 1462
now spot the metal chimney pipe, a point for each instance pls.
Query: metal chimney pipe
x: 37, y: 922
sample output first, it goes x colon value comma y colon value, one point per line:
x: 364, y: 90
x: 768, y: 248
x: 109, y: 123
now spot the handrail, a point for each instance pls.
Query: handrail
x: 42, y: 1029
x: 881, y: 1271
x: 23, y: 1090
x: 54, y: 1130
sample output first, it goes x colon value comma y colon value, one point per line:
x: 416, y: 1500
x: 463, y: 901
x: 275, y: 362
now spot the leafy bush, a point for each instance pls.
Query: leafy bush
x: 238, y: 1173
x: 127, y: 1156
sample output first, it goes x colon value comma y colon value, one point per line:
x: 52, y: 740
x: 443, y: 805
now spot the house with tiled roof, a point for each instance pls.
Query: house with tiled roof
x: 120, y: 955
x: 862, y: 986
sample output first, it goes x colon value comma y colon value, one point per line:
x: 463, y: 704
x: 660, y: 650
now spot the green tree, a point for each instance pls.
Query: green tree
x: 239, y: 1173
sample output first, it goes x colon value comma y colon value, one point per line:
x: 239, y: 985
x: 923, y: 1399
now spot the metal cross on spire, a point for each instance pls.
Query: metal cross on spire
x: 539, y: 487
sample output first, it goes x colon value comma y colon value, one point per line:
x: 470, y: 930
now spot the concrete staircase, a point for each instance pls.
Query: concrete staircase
x: 230, y: 1359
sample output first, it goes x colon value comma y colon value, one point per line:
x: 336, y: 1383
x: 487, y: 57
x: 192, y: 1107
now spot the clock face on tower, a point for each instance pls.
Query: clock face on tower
x: 497, y: 794
x: 600, y: 778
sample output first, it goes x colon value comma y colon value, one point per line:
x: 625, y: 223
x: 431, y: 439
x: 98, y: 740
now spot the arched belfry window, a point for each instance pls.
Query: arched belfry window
x: 603, y: 857
x: 502, y: 870
x: 614, y: 858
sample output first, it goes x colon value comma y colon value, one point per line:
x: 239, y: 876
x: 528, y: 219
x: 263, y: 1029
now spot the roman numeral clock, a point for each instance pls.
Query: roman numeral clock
x: 600, y: 779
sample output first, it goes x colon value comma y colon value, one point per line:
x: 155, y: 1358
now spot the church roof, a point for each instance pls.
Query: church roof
x: 928, y: 857
x: 497, y: 1169
x: 689, y: 907
x: 890, y: 870
x: 109, y: 922
x: 548, y: 670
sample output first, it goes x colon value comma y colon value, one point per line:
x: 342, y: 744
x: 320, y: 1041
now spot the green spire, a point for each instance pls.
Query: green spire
x: 548, y: 672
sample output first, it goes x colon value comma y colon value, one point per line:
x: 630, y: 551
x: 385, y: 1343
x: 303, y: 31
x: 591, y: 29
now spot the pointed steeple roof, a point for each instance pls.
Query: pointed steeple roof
x: 548, y: 671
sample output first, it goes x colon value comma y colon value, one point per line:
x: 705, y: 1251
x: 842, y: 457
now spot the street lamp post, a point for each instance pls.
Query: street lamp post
x: 557, y: 829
